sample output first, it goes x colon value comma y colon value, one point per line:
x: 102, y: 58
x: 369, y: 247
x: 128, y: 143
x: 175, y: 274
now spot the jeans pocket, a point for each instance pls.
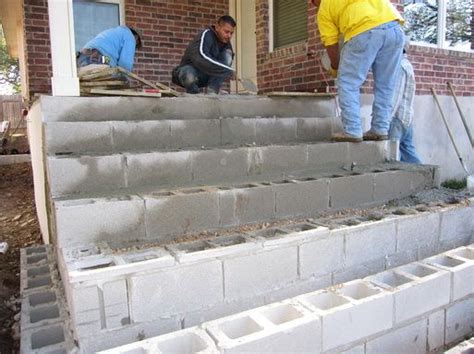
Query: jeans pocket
x: 359, y: 43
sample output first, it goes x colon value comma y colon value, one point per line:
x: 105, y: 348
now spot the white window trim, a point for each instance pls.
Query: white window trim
x: 271, y: 34
x: 442, y: 43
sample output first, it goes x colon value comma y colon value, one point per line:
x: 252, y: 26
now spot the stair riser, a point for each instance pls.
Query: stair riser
x: 119, y: 136
x: 168, y: 215
x: 69, y: 175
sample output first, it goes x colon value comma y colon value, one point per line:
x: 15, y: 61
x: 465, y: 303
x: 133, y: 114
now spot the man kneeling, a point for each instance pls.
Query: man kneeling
x: 208, y: 58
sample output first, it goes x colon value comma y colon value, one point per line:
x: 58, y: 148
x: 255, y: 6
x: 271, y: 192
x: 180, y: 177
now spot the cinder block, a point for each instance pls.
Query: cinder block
x: 416, y: 288
x: 161, y: 294
x: 214, y: 165
x: 325, y: 156
x: 108, y: 219
x: 141, y: 135
x: 289, y: 235
x: 401, y: 258
x: 313, y: 129
x: 237, y: 131
x: 245, y: 204
x: 410, y: 339
x: 191, y: 340
x: 217, y: 247
x: 369, y: 242
x: 356, y: 310
x: 159, y: 168
x: 465, y: 347
x: 300, y: 198
x: 436, y: 330
x: 42, y: 308
x: 250, y: 275
x: 323, y: 255
x: 457, y: 224
x: 280, y: 327
x: 461, y: 269
x: 417, y: 231
x: 70, y: 175
x: 459, y: 320
x: 368, y: 153
x: 275, y: 130
x: 350, y: 191
x: 398, y: 184
x: 53, y: 338
x: 195, y: 132
x: 189, y: 211
x: 277, y: 159
x: 77, y: 137
x: 358, y: 271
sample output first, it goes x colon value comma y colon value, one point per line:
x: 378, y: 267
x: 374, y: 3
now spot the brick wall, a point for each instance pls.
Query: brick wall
x: 168, y: 25
x: 297, y: 67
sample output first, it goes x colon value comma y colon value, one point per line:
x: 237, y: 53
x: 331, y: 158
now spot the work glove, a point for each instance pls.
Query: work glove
x: 332, y: 72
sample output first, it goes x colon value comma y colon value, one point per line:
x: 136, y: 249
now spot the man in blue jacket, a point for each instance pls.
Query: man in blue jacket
x: 208, y: 58
x: 113, y: 47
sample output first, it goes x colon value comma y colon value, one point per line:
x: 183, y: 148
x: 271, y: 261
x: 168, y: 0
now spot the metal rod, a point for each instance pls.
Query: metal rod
x: 449, y: 130
x: 461, y: 114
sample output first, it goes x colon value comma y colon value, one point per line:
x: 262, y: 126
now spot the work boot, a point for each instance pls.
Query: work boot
x: 371, y: 135
x: 344, y: 137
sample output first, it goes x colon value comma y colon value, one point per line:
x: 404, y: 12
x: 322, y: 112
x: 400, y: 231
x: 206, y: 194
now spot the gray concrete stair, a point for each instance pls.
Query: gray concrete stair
x: 80, y: 174
x: 165, y: 214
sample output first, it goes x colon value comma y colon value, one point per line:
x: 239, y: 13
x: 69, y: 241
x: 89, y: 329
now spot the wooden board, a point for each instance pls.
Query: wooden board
x: 300, y: 94
x: 163, y: 88
x: 98, y: 74
x: 96, y: 91
x: 104, y: 83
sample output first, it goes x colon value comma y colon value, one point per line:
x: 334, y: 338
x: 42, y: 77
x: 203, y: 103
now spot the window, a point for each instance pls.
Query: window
x: 442, y: 23
x: 92, y: 17
x: 290, y: 20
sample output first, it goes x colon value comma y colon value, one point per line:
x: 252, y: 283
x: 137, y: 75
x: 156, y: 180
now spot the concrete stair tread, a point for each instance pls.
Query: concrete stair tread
x: 274, y: 178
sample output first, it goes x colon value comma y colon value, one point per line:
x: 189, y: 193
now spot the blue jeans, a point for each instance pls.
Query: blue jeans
x: 379, y: 49
x: 405, y: 136
x: 192, y: 78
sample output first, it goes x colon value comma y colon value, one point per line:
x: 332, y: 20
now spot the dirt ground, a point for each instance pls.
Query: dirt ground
x: 19, y: 228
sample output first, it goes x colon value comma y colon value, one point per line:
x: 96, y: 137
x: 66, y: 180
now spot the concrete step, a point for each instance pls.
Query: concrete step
x: 147, y: 135
x: 167, y: 213
x: 102, y: 109
x: 76, y: 174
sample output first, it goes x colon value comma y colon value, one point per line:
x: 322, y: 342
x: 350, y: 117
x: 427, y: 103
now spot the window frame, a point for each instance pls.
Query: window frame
x: 441, y: 42
x: 271, y: 31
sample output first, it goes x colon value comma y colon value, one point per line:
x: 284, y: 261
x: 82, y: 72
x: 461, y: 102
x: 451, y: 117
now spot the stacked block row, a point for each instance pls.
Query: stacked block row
x: 156, y: 290
x: 97, y: 173
x: 410, y: 309
x: 119, y: 136
x: 168, y: 214
x: 44, y: 318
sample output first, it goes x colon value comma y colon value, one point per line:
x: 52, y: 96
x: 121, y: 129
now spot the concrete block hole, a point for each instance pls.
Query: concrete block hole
x: 42, y: 298
x: 240, y: 327
x: 300, y: 227
x: 30, y: 251
x: 271, y: 233
x: 185, y: 343
x: 47, y: 336
x: 225, y: 241
x: 418, y: 270
x: 282, y: 314
x: 465, y: 253
x: 326, y: 300
x: 44, y: 313
x: 392, y: 279
x: 37, y: 271
x: 36, y: 259
x: 359, y: 291
x: 37, y: 282
x: 194, y: 246
x: 446, y: 261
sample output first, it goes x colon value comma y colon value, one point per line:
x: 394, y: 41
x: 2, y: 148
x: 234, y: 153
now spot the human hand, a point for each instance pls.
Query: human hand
x: 333, y: 72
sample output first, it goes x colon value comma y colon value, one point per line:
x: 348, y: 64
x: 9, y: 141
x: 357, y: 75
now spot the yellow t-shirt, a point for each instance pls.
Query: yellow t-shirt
x: 352, y: 17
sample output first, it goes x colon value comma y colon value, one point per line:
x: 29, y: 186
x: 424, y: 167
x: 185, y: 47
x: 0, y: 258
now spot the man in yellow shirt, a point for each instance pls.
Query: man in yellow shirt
x: 373, y: 39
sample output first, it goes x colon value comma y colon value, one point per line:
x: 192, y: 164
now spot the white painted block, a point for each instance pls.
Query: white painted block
x: 436, y: 330
x: 457, y: 223
x: 459, y: 320
x: 415, y: 231
x: 356, y: 310
x: 250, y: 275
x: 161, y: 294
x: 416, y: 288
x: 324, y: 254
x: 462, y: 272
x: 280, y: 327
x: 369, y: 242
x: 410, y: 339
